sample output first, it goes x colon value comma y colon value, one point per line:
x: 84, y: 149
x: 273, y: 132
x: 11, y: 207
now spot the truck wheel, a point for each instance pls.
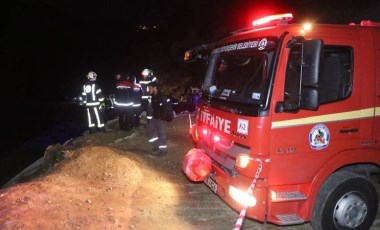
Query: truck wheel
x: 345, y: 201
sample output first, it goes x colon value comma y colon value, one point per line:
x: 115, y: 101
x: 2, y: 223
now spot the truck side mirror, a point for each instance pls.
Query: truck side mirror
x: 309, y: 99
x: 311, y: 61
x: 302, y: 74
x: 198, y: 52
x: 313, y: 50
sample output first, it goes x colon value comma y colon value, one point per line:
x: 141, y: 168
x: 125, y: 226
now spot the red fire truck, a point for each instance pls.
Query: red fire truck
x: 289, y: 119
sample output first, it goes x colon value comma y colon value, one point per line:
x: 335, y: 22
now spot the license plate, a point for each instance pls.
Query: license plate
x: 211, y: 184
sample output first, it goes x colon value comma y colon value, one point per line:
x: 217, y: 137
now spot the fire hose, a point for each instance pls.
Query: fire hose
x: 242, y: 213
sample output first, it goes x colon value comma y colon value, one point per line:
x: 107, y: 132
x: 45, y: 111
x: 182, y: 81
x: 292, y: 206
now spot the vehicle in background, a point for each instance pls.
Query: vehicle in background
x: 192, y: 98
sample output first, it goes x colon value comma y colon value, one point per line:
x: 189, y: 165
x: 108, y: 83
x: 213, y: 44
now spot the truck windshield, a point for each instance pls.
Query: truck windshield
x: 239, y: 77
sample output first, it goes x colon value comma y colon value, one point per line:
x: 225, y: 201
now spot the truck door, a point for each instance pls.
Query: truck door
x: 342, y: 122
x: 376, y: 126
x: 346, y: 108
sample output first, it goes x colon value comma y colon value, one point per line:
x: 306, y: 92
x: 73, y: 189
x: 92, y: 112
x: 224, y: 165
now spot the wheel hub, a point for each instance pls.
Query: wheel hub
x: 350, y: 211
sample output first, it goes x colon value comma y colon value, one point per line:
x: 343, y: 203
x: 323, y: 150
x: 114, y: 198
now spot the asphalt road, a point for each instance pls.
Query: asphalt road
x: 206, y: 210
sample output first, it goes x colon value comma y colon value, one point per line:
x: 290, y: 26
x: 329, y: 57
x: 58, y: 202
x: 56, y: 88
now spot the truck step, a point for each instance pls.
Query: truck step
x: 289, y: 196
x: 289, y: 219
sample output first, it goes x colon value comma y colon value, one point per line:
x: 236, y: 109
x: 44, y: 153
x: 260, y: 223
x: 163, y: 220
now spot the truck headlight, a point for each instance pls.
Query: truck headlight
x: 242, y: 197
x: 242, y: 160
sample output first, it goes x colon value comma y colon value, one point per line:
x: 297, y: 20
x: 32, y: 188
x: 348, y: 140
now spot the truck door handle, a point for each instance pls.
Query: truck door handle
x: 353, y: 130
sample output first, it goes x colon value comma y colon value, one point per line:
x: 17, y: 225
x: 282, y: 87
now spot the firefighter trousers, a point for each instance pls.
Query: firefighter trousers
x: 147, y: 107
x: 95, y: 119
x: 125, y: 114
x: 156, y: 133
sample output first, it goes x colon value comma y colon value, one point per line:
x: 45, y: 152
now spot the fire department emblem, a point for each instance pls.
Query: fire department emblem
x: 319, y: 137
x: 262, y: 44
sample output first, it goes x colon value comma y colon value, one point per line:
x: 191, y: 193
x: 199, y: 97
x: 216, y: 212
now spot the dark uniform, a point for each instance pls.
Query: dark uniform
x: 123, y: 103
x: 162, y: 113
x: 136, y: 107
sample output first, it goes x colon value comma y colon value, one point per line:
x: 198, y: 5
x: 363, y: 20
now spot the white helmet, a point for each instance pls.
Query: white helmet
x: 147, y: 72
x: 91, y: 75
x: 118, y: 77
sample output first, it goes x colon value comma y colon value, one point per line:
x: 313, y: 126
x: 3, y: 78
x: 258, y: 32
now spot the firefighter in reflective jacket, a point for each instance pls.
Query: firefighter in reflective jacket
x: 93, y: 100
x: 146, y: 78
x: 123, y: 103
x: 162, y: 114
x: 137, y: 94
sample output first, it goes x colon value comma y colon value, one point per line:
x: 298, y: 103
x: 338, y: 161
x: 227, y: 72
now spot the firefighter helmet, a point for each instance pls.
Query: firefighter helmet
x: 91, y: 75
x: 147, y: 72
x: 118, y: 77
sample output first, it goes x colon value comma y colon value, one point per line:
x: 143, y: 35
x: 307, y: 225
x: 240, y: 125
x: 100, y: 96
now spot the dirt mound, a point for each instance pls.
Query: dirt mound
x: 93, y: 187
x: 103, y: 163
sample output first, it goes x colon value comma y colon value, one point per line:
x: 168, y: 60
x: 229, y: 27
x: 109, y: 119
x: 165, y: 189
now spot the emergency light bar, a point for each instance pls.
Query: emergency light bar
x: 278, y: 19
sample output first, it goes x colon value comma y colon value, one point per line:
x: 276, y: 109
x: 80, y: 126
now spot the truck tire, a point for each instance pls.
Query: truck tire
x: 345, y: 201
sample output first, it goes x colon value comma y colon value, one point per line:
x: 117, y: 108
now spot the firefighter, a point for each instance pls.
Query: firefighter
x: 112, y: 96
x: 123, y: 102
x: 93, y: 100
x: 162, y: 113
x: 147, y: 77
x: 136, y: 107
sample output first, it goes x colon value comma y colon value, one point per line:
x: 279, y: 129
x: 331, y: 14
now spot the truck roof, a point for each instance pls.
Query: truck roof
x: 277, y: 25
x: 301, y: 29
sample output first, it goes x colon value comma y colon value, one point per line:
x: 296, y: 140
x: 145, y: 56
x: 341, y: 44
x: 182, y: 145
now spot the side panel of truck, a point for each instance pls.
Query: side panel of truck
x: 302, y: 165
x: 345, y: 125
x: 376, y: 50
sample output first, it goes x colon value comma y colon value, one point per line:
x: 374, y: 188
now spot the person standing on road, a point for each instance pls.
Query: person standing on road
x: 147, y: 77
x: 162, y: 113
x: 93, y: 100
x: 112, y: 96
x: 123, y: 103
x: 136, y: 107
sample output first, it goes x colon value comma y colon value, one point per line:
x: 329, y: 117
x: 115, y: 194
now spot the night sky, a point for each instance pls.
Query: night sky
x: 48, y: 46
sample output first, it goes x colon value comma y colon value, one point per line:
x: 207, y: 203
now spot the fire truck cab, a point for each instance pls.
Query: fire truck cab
x: 289, y: 117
